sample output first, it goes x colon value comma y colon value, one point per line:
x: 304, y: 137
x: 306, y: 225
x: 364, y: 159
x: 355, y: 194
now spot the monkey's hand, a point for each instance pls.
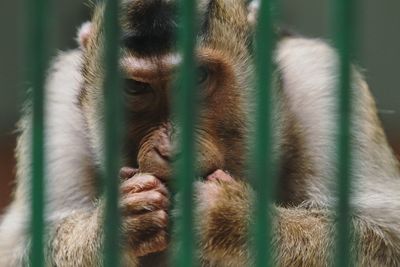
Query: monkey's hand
x: 223, y: 214
x: 144, y: 203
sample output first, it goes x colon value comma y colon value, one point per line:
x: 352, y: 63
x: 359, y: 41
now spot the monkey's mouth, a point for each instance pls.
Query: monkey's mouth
x: 165, y: 166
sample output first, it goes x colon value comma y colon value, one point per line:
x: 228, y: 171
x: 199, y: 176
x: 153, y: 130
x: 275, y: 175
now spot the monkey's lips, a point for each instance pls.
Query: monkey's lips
x: 161, y: 166
x: 156, y: 164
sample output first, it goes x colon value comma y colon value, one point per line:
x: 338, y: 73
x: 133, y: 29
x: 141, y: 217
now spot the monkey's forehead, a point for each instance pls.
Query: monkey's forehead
x: 156, y: 67
x: 150, y: 26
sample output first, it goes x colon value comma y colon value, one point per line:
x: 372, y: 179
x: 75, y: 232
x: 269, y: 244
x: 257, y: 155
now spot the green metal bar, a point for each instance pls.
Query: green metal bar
x: 37, y: 64
x: 343, y: 21
x: 263, y: 167
x: 113, y: 133
x: 185, y: 98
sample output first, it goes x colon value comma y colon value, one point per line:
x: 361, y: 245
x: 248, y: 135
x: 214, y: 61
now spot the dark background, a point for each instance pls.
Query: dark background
x: 378, y: 53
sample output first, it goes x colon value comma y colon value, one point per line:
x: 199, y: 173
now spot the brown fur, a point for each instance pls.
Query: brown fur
x: 304, y: 119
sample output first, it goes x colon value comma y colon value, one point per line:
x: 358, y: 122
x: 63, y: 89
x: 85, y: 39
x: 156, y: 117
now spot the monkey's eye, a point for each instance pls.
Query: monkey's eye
x: 202, y: 75
x: 133, y: 87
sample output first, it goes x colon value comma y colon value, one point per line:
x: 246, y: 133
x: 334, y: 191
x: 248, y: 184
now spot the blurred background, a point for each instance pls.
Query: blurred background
x: 378, y: 54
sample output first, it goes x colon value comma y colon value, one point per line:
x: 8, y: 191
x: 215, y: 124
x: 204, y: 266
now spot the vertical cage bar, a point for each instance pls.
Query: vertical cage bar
x: 112, y: 133
x: 262, y: 167
x: 185, y: 98
x: 38, y: 19
x: 343, y: 22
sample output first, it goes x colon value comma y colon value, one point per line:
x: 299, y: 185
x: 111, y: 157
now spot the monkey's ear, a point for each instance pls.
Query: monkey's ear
x: 84, y: 34
x: 253, y: 7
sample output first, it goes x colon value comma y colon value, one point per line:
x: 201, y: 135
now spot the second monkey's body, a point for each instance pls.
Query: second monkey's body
x: 305, y: 120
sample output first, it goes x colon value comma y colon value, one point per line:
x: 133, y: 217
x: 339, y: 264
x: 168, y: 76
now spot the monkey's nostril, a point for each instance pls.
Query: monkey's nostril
x: 168, y: 155
x: 163, y: 153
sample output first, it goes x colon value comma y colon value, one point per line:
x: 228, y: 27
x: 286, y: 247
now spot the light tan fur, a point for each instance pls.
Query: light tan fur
x: 305, y: 119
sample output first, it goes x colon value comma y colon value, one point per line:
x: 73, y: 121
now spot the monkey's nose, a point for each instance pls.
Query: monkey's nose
x: 149, y: 26
x: 168, y: 155
x: 166, y: 148
x: 164, y: 153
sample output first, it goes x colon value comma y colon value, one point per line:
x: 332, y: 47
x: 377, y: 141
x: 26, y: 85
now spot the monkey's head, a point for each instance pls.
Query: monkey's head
x: 149, y: 64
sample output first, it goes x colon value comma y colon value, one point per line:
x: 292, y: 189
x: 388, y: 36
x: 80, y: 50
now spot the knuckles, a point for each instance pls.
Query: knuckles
x: 143, y: 193
x: 141, y: 182
x: 144, y: 203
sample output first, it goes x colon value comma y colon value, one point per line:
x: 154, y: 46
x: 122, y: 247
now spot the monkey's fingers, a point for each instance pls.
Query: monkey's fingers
x: 142, y: 202
x: 143, y: 182
x: 145, y: 226
x: 220, y: 175
x: 158, y: 243
x: 147, y: 233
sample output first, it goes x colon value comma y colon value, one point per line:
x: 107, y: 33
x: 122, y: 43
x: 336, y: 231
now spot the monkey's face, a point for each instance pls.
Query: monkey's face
x: 150, y: 64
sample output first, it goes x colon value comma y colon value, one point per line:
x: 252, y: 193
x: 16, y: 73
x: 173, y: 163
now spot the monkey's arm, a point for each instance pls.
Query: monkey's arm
x: 301, y: 236
x: 69, y: 182
x: 74, y: 220
x: 76, y: 240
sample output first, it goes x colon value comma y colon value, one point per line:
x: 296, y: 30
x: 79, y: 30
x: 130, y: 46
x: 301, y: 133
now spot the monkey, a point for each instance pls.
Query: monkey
x: 303, y: 228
